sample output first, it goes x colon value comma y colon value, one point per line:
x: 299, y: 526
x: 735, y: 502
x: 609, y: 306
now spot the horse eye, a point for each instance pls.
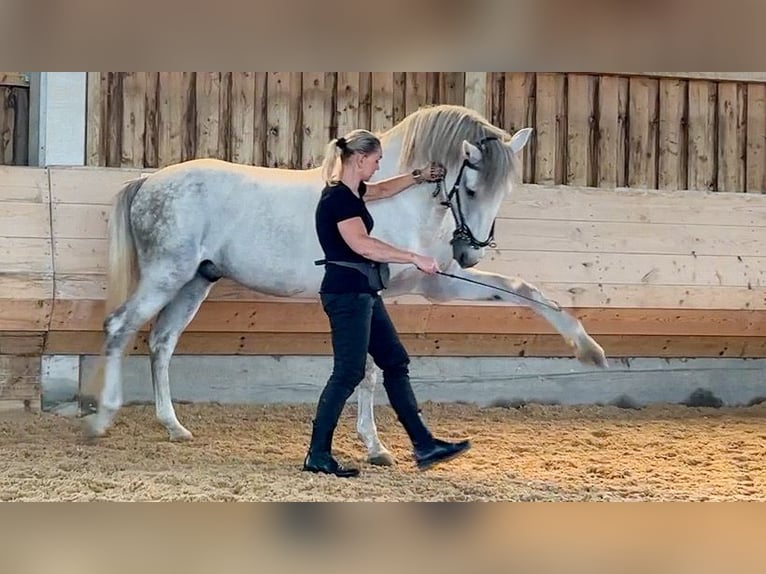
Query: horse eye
x: 470, y: 192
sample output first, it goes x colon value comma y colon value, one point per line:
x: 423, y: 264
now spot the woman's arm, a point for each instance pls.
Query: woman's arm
x: 355, y: 235
x: 393, y: 185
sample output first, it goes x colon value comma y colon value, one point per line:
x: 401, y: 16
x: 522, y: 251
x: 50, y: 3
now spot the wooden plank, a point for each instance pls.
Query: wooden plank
x: 80, y: 255
x: 22, y: 219
x: 365, y: 100
x: 243, y: 112
x: 581, y: 129
x: 645, y: 295
x: 497, y: 97
x: 114, y: 95
x: 151, y: 121
x: 519, y: 112
x: 347, y: 102
x: 14, y: 79
x: 96, y: 119
x: 415, y: 96
x: 428, y: 344
x: 308, y: 317
x: 85, y: 185
x: 476, y: 90
x: 400, y: 97
x: 19, y: 378
x: 550, y: 155
x: 26, y: 285
x: 635, y: 268
x: 283, y: 142
x: 25, y: 184
x: 731, y: 137
x: 7, y: 126
x: 25, y: 314
x: 174, y: 101
x: 642, y: 133
x: 21, y: 133
x: 612, y: 132
x: 25, y: 255
x: 723, y: 76
x: 702, y: 135
x: 632, y: 205
x: 21, y: 343
x: 629, y: 237
x: 208, y: 121
x: 316, y: 122
x: 224, y: 117
x: 382, y: 102
x: 673, y: 135
x: 133, y: 118
x: 77, y: 221
x: 452, y: 88
x: 756, y: 138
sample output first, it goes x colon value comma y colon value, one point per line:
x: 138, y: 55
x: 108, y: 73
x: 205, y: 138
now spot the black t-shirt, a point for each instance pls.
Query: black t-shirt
x: 338, y: 203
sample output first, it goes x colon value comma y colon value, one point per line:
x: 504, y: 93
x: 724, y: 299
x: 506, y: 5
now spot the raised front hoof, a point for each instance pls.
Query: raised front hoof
x: 383, y: 458
x: 591, y: 353
x: 180, y: 435
x: 595, y: 357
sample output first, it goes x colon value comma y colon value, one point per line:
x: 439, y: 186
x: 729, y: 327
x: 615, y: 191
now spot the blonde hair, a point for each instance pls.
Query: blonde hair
x: 340, y: 149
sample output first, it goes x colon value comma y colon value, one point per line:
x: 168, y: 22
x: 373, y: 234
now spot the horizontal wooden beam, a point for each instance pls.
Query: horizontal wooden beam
x: 14, y: 79
x: 308, y: 317
x: 713, y: 76
x: 19, y: 377
x: 426, y: 344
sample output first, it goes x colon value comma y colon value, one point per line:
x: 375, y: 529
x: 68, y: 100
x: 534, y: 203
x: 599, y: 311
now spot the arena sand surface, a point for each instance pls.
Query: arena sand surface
x: 546, y: 453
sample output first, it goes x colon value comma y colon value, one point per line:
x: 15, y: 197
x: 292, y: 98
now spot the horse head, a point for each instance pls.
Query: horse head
x: 481, y: 168
x: 484, y: 179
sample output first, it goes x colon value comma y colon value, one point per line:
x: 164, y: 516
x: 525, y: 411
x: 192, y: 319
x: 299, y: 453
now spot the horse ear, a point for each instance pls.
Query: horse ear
x: 520, y: 139
x: 471, y: 152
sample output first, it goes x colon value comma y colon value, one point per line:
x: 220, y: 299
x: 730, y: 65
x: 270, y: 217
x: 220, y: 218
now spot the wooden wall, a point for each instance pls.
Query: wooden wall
x: 281, y: 119
x: 26, y: 281
x: 14, y: 119
x: 655, y: 130
x: 649, y: 273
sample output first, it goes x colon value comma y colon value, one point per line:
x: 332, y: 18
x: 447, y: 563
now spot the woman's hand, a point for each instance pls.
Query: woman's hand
x: 426, y: 264
x: 433, y: 172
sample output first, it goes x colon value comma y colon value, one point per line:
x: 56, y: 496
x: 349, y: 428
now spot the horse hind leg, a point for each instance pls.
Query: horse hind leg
x: 377, y: 454
x: 120, y: 327
x: 171, y: 322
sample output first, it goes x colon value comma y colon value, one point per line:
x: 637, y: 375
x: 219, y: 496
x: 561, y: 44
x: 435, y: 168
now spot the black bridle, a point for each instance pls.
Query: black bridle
x: 462, y: 231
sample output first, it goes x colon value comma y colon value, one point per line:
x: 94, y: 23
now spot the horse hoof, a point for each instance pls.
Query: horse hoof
x: 180, y: 435
x: 91, y: 427
x: 381, y: 459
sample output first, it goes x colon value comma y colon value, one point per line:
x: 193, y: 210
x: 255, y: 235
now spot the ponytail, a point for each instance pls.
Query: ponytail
x: 331, y: 163
x: 356, y: 141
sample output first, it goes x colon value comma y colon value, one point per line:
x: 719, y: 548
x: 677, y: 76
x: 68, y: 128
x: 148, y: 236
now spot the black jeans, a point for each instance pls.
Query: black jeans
x: 360, y: 325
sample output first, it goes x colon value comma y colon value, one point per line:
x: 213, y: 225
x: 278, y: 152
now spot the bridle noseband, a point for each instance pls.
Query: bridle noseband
x: 462, y: 231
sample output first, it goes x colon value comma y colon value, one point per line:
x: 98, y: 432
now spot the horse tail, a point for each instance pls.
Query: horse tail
x: 122, y: 275
x: 122, y: 267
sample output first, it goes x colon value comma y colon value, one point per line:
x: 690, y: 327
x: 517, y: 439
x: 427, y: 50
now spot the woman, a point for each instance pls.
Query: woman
x: 358, y: 318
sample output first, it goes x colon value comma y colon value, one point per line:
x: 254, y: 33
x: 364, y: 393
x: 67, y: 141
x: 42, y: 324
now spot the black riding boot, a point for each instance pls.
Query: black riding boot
x: 427, y: 449
x: 319, y: 457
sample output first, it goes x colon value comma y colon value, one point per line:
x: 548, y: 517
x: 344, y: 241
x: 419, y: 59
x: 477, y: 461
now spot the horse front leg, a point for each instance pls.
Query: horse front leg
x: 440, y: 288
x: 377, y: 454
